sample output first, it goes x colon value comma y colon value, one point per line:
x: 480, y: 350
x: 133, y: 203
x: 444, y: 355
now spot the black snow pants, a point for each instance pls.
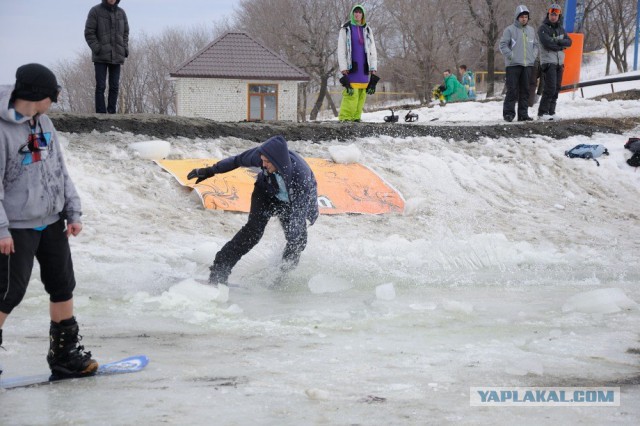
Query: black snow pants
x: 263, y: 207
x: 552, y: 83
x: 517, y: 91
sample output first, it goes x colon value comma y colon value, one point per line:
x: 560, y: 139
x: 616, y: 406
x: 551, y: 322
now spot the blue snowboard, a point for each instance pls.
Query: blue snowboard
x: 127, y: 365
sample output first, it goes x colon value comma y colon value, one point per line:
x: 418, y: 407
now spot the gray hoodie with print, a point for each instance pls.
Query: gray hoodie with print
x: 36, y: 188
x: 519, y: 44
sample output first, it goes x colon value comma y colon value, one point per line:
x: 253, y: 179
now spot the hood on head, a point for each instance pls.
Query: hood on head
x: 364, y: 14
x: 520, y: 10
x: 277, y: 151
x: 104, y: 3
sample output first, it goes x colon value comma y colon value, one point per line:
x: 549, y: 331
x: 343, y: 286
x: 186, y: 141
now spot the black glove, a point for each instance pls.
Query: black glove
x: 201, y: 174
x: 344, y: 80
x: 442, y: 87
x: 373, y: 81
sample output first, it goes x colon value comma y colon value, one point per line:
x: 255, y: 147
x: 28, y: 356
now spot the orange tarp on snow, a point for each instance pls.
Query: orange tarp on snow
x: 342, y: 188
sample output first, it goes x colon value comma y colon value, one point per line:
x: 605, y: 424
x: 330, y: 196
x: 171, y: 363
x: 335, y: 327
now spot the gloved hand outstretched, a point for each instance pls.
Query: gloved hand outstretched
x: 344, y: 80
x: 201, y: 174
x: 373, y: 81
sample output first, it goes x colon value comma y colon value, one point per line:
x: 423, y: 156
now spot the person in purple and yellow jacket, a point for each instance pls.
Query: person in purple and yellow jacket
x: 358, y: 63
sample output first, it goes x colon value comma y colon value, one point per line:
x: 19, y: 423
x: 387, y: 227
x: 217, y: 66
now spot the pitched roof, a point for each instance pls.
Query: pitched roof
x: 237, y: 55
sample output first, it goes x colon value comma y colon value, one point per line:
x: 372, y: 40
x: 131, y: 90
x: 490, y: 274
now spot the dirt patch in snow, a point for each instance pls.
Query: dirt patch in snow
x: 163, y: 127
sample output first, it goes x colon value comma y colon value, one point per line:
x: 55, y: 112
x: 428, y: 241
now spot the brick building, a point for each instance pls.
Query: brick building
x: 236, y: 78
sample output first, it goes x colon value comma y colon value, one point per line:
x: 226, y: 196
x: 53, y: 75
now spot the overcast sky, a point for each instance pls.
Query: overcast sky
x: 45, y: 31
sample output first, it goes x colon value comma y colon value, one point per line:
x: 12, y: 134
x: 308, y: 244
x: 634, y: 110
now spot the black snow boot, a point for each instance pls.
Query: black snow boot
x: 67, y: 357
x: 634, y: 161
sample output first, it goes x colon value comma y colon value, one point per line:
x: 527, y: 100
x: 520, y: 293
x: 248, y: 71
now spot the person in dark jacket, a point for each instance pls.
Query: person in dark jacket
x: 107, y: 34
x: 553, y: 41
x: 39, y: 211
x: 285, y: 187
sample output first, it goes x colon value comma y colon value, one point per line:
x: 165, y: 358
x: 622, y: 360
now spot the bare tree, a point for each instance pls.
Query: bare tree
x: 592, y: 39
x: 305, y: 32
x: 78, y: 84
x: 614, y: 21
x: 415, y: 49
x: 145, y: 86
x: 486, y: 14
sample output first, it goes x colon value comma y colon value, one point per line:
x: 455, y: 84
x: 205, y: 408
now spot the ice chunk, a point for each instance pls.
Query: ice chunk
x: 345, y: 154
x: 455, y: 306
x: 385, y: 292
x: 317, y: 394
x: 204, y: 253
x: 601, y: 301
x: 415, y: 205
x: 324, y: 283
x: 151, y: 150
x: 235, y: 309
x: 423, y: 306
x: 192, y: 290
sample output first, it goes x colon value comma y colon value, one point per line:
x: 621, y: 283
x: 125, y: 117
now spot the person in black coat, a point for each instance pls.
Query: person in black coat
x: 553, y: 41
x: 107, y: 34
x: 285, y: 187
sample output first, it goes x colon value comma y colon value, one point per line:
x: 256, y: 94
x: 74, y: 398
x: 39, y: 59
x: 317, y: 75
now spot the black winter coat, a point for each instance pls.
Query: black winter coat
x: 107, y: 33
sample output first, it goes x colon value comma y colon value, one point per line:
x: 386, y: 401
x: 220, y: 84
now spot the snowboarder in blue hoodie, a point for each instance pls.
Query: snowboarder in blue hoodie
x: 39, y: 211
x: 285, y: 187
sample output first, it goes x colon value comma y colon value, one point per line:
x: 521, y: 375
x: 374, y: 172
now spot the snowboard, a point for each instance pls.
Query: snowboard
x: 126, y: 365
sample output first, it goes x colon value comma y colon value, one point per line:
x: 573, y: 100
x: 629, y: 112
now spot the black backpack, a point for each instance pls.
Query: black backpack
x: 633, y: 145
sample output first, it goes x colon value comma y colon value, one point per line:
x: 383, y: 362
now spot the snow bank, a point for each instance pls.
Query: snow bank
x: 151, y: 150
x: 602, y: 301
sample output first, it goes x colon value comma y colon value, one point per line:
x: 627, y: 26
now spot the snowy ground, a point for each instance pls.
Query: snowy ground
x: 512, y: 266
x: 572, y: 105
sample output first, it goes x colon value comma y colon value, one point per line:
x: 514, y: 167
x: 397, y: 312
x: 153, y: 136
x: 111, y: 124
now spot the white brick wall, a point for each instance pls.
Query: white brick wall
x: 227, y: 99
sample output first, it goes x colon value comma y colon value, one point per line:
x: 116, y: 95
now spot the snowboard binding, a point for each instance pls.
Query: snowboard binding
x: 411, y: 117
x: 391, y: 118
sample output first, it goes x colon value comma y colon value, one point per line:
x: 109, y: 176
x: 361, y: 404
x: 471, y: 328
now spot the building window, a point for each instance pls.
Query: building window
x: 263, y: 102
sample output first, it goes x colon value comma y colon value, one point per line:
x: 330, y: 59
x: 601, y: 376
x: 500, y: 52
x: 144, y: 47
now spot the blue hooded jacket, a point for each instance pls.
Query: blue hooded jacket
x: 298, y: 177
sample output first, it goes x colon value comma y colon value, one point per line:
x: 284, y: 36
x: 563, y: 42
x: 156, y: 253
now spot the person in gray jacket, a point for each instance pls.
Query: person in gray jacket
x: 107, y: 34
x: 553, y: 41
x: 520, y: 49
x: 39, y: 211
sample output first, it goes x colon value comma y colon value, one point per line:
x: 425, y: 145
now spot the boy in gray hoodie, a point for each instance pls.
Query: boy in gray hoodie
x: 39, y: 210
x: 520, y: 49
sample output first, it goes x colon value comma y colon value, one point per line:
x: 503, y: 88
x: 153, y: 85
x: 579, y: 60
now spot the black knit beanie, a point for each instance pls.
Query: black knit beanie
x: 35, y: 82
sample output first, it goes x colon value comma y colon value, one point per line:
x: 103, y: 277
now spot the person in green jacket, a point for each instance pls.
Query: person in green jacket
x: 453, y: 90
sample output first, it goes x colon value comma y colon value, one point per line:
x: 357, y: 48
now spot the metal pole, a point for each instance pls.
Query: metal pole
x: 635, y: 47
x: 570, y: 15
